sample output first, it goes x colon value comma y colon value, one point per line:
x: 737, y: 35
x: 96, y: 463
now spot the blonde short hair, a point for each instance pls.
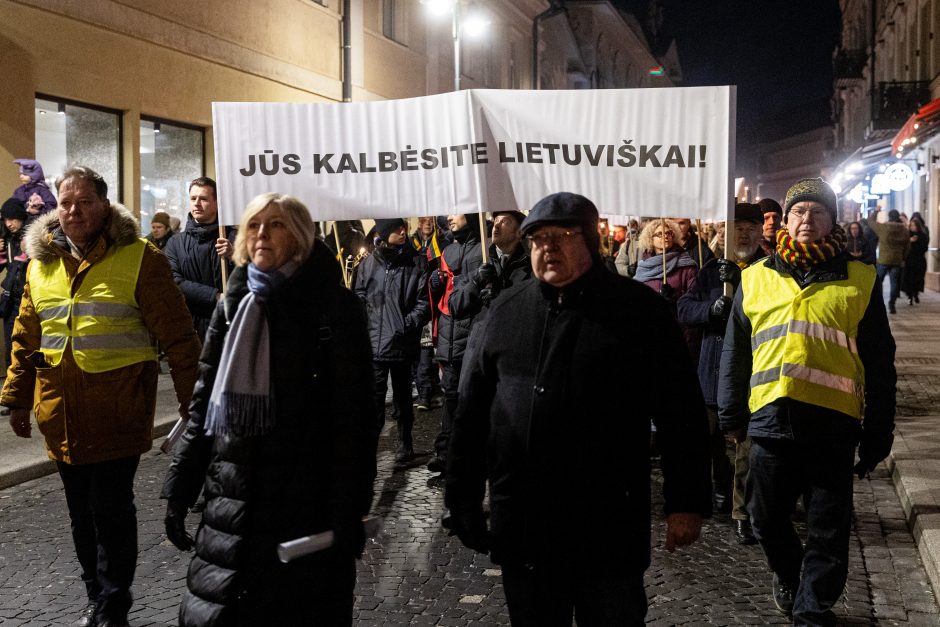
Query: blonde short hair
x: 646, y: 235
x: 295, y: 215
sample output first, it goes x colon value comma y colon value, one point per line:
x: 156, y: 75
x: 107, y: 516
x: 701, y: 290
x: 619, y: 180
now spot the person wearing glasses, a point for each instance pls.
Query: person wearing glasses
x: 568, y: 468
x: 807, y: 371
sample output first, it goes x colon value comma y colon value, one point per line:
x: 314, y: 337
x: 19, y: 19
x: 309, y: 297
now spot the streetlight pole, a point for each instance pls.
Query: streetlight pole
x: 456, y: 36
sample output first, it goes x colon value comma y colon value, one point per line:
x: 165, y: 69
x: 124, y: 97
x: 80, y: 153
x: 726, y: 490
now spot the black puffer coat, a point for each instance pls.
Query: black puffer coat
x: 568, y: 464
x: 312, y: 473
x: 393, y: 285
x: 462, y: 258
x: 197, y: 270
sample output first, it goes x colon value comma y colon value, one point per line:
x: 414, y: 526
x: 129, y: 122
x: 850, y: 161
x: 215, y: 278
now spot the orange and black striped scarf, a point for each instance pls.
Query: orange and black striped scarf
x: 806, y: 256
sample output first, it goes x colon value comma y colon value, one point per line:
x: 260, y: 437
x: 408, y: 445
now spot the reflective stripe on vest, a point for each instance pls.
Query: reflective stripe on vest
x: 102, y: 319
x: 803, y: 340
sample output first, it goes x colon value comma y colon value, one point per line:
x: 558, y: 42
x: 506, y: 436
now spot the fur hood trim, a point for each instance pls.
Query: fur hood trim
x: 122, y: 229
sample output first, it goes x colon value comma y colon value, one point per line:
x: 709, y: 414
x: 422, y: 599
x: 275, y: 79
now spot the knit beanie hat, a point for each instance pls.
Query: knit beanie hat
x: 747, y: 212
x: 386, y: 226
x: 815, y: 189
x: 13, y: 209
x: 769, y: 205
x: 161, y: 217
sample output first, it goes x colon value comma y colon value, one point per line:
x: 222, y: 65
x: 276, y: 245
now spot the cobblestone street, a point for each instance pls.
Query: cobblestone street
x: 415, y: 574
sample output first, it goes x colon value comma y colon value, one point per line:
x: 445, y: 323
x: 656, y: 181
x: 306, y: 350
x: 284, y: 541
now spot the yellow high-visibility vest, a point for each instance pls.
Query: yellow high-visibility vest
x: 803, y: 340
x: 102, y: 321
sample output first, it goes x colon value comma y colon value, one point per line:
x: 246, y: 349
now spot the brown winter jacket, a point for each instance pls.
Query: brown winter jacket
x: 87, y: 417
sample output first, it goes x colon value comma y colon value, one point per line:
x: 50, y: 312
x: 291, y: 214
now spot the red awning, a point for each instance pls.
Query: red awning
x: 920, y: 126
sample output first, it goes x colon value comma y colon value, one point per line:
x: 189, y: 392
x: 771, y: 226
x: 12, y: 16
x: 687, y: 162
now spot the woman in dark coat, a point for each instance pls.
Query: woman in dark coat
x: 858, y: 245
x: 659, y: 238
x: 915, y: 265
x: 281, y: 433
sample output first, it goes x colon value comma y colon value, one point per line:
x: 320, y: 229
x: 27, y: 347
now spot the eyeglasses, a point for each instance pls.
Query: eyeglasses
x: 801, y: 214
x: 668, y: 234
x: 542, y: 240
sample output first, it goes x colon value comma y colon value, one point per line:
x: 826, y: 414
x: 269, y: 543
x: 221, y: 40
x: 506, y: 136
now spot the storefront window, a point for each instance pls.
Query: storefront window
x: 69, y: 134
x: 171, y: 155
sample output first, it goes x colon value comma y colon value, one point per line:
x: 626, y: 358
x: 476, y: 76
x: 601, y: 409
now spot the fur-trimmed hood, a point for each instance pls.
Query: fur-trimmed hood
x: 41, y: 236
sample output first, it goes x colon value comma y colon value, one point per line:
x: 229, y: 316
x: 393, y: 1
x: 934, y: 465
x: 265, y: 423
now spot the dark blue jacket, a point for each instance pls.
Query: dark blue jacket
x: 196, y: 269
x: 392, y: 283
x: 693, y: 311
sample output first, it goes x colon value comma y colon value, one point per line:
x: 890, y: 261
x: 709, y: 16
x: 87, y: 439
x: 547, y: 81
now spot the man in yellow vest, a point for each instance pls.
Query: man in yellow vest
x: 808, y: 369
x: 96, y: 299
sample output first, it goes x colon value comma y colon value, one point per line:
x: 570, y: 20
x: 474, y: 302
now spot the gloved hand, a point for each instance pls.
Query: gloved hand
x: 437, y: 279
x: 729, y: 272
x: 721, y: 308
x: 470, y: 526
x: 350, y: 538
x: 487, y: 294
x: 485, y: 275
x: 666, y: 291
x: 175, y: 523
x: 872, y: 448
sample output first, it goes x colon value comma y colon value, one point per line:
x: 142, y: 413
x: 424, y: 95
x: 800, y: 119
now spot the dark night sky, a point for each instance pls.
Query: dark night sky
x: 778, y: 53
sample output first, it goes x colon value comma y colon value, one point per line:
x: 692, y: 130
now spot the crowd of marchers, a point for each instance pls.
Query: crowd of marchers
x: 773, y: 342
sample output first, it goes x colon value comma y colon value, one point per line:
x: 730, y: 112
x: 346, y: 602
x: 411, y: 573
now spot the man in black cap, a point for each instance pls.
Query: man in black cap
x: 569, y: 469
x: 392, y: 283
x: 706, y: 307
x: 807, y: 369
x: 773, y: 214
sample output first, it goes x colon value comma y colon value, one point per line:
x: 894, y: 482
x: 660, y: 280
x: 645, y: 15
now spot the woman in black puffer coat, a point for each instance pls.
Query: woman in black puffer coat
x: 287, y: 454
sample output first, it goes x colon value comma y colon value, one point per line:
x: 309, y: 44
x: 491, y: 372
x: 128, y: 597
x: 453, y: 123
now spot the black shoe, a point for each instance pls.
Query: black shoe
x: 5, y: 411
x: 437, y: 464
x: 742, y: 531
x: 404, y: 454
x: 783, y: 595
x: 916, y: 299
x: 423, y: 403
x: 87, y: 617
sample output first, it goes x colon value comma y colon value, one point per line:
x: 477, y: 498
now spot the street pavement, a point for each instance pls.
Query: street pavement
x: 415, y: 574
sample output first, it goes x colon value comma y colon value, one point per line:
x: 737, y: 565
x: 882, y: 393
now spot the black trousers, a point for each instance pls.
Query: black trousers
x: 819, y: 471
x: 427, y: 376
x: 401, y: 391
x: 450, y: 377
x: 100, y: 499
x: 549, y: 597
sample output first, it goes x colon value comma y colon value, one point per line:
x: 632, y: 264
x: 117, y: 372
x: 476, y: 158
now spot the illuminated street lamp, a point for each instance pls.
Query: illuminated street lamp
x: 474, y: 24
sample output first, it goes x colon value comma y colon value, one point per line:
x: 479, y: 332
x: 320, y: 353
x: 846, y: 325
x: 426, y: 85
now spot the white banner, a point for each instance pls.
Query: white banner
x: 648, y: 152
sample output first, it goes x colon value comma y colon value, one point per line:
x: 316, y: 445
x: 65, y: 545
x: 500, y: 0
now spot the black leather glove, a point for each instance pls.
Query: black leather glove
x: 470, y: 526
x: 666, y: 290
x: 729, y: 272
x: 631, y: 269
x: 721, y: 308
x: 350, y: 538
x: 485, y: 275
x: 487, y: 294
x: 175, y: 524
x: 872, y: 448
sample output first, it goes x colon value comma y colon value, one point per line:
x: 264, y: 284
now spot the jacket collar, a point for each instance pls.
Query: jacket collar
x: 835, y: 269
x: 45, y: 241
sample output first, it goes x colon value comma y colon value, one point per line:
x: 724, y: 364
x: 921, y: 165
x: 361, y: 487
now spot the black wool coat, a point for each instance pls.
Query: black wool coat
x: 467, y: 301
x: 542, y: 418
x: 312, y: 473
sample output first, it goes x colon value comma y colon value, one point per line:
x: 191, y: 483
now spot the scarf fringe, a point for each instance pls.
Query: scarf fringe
x: 241, y: 414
